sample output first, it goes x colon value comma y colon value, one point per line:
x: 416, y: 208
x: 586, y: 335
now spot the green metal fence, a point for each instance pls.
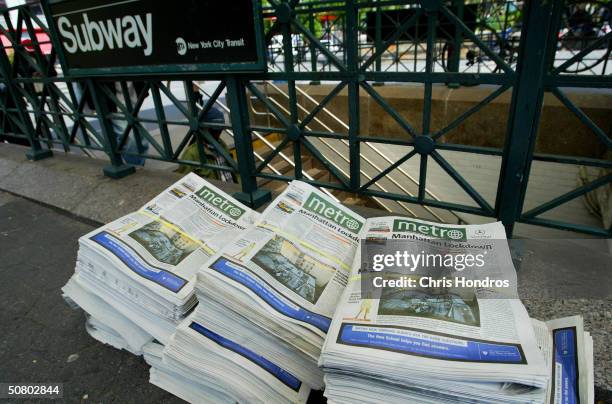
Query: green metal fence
x: 524, y: 49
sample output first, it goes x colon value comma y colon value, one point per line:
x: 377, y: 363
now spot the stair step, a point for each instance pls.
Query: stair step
x: 316, y: 173
x: 276, y: 186
x: 352, y: 199
x: 282, y: 166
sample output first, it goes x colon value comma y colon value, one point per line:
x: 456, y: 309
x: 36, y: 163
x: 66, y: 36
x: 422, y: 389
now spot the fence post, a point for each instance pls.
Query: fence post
x: 378, y: 44
x: 352, y: 43
x: 36, y: 152
x: 117, y: 168
x: 313, y: 48
x: 239, y: 114
x: 454, y: 62
x: 525, y: 109
x: 284, y: 13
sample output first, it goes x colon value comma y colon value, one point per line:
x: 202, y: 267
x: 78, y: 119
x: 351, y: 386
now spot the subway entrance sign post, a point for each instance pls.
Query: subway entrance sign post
x: 98, y: 37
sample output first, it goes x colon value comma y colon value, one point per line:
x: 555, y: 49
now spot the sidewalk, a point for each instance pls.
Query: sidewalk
x: 76, y: 184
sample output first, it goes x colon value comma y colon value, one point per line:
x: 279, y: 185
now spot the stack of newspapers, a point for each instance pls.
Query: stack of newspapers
x: 416, y: 334
x: 266, y: 303
x: 310, y: 295
x: 568, y: 353
x: 135, y: 276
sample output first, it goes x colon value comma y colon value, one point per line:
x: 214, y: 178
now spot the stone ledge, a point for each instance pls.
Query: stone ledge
x: 77, y: 185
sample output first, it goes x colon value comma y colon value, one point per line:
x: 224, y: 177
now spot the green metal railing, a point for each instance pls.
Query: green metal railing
x: 46, y: 108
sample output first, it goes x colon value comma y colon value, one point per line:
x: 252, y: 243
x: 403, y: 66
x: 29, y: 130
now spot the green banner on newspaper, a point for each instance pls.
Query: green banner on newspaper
x: 429, y: 229
x: 220, y: 202
x: 320, y: 206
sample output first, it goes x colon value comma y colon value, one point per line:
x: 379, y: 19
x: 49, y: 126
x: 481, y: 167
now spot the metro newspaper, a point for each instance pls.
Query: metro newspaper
x: 169, y: 238
x: 141, y: 268
x: 310, y: 282
x: 295, y: 261
x: 452, y: 342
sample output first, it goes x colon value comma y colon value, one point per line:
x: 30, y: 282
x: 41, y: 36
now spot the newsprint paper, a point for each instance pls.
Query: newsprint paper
x: 143, y: 265
x: 266, y: 302
x: 288, y: 271
x: 274, y: 289
x: 440, y: 342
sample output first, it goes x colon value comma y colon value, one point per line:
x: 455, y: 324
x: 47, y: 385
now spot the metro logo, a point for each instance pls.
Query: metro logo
x: 220, y: 202
x: 448, y: 233
x: 321, y: 207
x: 128, y: 31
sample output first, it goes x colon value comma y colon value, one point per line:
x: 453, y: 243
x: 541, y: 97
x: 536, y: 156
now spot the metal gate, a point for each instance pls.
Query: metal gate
x: 355, y: 46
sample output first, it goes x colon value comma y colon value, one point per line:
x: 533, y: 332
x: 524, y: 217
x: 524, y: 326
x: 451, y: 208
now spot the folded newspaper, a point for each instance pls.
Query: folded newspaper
x: 179, y: 382
x: 219, y: 369
x: 568, y: 353
x: 136, y: 275
x: 274, y: 289
x: 418, y: 337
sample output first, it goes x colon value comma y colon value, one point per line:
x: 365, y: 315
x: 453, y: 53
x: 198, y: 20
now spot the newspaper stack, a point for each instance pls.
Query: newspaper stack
x: 135, y: 276
x: 568, y: 353
x: 202, y: 366
x: 179, y: 382
x: 272, y: 292
x: 124, y: 333
x: 434, y: 344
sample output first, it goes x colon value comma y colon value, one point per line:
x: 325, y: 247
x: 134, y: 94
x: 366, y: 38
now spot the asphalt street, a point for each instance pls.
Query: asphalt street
x: 42, y: 338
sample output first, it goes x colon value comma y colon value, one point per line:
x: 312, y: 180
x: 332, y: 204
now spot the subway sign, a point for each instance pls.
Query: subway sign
x: 145, y: 36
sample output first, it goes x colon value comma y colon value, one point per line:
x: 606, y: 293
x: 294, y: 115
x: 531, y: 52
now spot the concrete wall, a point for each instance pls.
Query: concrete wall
x: 560, y: 130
